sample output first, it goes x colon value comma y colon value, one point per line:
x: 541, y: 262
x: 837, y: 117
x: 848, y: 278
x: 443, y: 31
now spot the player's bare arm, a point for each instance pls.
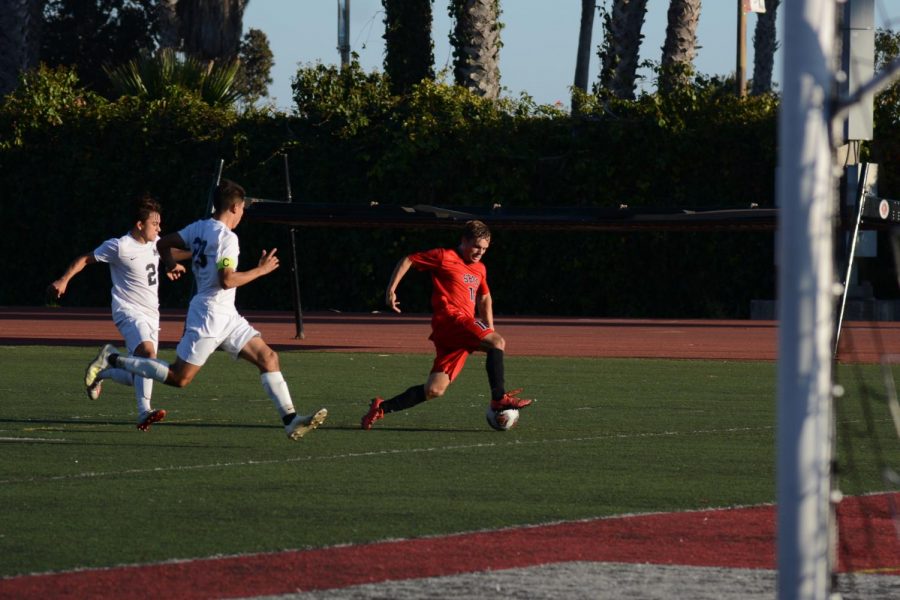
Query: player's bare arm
x: 390, y: 296
x: 230, y: 278
x: 484, y: 309
x: 178, y: 270
x: 58, y: 287
x: 180, y: 255
x: 172, y: 250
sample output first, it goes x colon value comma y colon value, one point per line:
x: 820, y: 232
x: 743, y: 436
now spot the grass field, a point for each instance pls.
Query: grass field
x: 81, y: 487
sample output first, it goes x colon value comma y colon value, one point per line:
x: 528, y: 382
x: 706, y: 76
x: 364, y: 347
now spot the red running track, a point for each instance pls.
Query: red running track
x: 536, y: 336
x: 734, y: 538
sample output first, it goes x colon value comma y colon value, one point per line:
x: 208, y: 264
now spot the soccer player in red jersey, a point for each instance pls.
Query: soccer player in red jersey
x: 462, y: 322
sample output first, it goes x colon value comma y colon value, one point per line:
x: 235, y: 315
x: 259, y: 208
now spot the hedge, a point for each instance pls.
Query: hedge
x: 70, y: 161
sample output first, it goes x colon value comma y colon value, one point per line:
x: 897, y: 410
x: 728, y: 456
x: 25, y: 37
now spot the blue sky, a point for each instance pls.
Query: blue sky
x: 539, y: 39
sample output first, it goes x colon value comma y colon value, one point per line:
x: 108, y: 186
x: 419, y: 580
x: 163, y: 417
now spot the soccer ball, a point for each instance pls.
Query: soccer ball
x: 502, y: 420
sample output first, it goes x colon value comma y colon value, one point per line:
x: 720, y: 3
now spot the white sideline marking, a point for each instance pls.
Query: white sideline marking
x: 247, y: 463
x: 30, y: 439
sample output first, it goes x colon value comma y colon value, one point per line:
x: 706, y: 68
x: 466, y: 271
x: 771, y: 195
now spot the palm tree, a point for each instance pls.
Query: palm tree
x: 764, y: 46
x: 408, y: 49
x: 619, y: 57
x: 211, y: 29
x: 151, y: 76
x: 476, y: 45
x: 20, y: 22
x: 583, y: 58
x: 680, y: 45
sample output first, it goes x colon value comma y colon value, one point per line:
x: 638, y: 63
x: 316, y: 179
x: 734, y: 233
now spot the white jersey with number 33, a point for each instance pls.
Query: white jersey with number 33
x: 213, y: 247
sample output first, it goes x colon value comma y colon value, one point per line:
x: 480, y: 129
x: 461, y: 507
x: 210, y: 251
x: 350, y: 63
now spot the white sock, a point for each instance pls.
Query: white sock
x: 143, y: 388
x: 277, y: 389
x: 120, y: 376
x: 152, y: 368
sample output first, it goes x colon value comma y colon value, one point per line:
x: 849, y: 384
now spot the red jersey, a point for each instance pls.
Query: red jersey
x: 455, y: 284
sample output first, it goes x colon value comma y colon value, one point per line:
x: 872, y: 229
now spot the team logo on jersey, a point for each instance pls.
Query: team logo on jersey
x: 468, y: 278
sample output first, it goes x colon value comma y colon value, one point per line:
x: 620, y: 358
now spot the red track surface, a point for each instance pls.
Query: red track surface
x: 736, y: 538
x: 537, y: 336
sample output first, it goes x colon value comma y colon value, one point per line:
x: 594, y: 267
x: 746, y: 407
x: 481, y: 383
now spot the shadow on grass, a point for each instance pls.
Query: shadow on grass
x: 250, y: 426
x: 374, y: 430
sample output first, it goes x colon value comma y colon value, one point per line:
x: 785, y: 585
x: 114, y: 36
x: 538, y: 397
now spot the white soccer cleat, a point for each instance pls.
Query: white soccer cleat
x: 97, y: 365
x: 302, y: 424
x: 93, y: 391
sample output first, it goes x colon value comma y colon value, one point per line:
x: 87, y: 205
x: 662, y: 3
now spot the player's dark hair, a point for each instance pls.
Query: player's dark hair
x: 226, y: 195
x: 476, y: 230
x: 144, y: 205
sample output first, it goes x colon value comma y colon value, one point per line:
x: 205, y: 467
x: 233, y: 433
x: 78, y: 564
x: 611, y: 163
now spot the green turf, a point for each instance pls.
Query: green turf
x: 80, y: 487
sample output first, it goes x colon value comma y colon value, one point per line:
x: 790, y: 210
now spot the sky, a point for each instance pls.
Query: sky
x: 540, y: 40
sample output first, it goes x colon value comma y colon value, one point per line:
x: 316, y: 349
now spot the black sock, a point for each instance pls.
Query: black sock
x: 111, y: 360
x: 408, y: 399
x: 494, y: 366
x: 286, y: 419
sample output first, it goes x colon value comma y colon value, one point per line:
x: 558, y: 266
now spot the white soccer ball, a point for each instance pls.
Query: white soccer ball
x: 502, y: 420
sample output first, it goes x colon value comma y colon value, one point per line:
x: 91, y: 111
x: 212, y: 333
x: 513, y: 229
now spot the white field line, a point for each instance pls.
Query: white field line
x: 373, y: 453
x: 32, y: 440
x: 369, y: 454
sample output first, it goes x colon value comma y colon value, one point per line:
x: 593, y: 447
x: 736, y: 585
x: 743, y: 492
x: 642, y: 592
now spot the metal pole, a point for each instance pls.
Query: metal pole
x: 344, y: 31
x: 740, y: 72
x: 805, y: 192
x: 861, y: 203
x: 295, y: 270
x: 216, y: 180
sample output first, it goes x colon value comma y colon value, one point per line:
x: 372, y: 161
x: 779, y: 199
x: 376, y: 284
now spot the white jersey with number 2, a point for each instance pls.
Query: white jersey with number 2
x: 134, y: 269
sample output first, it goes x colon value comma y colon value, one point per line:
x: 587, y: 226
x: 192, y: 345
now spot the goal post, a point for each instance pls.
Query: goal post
x: 805, y: 194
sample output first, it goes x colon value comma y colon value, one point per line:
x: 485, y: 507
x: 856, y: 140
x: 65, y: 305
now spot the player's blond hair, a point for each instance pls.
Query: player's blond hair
x: 476, y: 230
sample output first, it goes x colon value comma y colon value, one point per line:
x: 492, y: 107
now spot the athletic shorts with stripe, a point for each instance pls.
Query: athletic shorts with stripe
x: 455, y: 337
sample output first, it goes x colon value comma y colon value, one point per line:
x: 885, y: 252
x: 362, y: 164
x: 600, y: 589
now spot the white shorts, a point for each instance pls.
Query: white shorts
x: 206, y: 333
x: 136, y: 329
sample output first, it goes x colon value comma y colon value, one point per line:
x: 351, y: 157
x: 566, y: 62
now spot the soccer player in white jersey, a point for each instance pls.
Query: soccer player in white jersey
x: 213, y: 321
x: 134, y: 268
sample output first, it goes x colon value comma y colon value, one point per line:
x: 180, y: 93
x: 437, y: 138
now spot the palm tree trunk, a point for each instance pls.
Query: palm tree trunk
x: 211, y: 29
x: 680, y: 45
x: 620, y: 60
x: 764, y: 46
x: 408, y: 49
x: 476, y: 43
x: 169, y: 25
x: 20, y: 26
x: 585, y: 33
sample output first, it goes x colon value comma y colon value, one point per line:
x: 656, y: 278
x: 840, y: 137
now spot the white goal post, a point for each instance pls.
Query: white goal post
x: 805, y: 193
x: 807, y: 289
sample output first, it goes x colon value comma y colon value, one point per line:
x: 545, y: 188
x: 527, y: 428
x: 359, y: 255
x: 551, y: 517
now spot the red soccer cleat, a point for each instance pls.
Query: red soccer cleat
x: 375, y: 413
x: 154, y: 416
x: 509, y: 400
